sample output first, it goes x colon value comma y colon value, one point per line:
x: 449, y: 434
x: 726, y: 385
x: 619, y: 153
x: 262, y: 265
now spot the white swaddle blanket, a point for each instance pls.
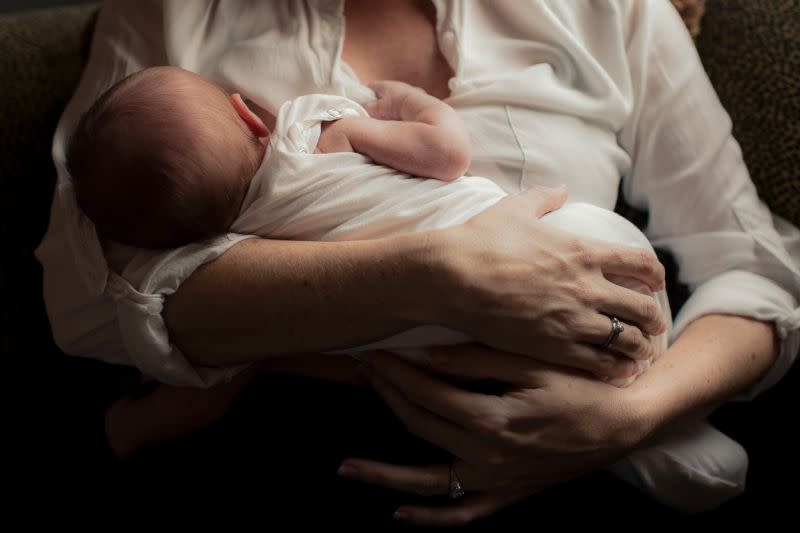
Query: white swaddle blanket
x: 299, y: 195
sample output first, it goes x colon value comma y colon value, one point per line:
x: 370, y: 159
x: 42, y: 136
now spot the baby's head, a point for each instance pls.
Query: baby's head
x: 164, y: 158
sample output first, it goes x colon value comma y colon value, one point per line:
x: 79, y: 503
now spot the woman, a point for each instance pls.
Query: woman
x: 616, y: 83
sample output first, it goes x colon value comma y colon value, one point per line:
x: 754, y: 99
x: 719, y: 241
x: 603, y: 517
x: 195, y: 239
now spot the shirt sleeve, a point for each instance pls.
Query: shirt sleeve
x: 114, y: 315
x: 688, y: 173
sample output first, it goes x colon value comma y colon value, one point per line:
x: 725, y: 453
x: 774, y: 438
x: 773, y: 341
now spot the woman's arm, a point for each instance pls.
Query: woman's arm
x: 688, y: 173
x: 549, y: 425
x: 286, y: 297
x: 266, y: 298
x: 716, y: 358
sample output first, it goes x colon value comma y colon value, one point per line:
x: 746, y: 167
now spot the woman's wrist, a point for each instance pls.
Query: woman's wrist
x: 629, y: 418
x: 716, y: 358
x: 645, y: 413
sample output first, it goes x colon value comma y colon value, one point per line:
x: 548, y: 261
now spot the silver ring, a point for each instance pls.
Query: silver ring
x: 454, y: 488
x: 616, y: 329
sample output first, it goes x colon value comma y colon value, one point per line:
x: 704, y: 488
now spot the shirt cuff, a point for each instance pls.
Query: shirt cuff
x: 747, y: 294
x: 139, y: 293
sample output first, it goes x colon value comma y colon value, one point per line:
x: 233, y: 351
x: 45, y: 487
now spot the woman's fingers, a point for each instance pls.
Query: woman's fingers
x: 544, y: 199
x: 471, y: 508
x: 449, y: 402
x: 481, y: 499
x: 430, y: 427
x: 597, y: 361
x: 479, y: 362
x: 629, y: 261
x: 474, y: 361
x: 432, y: 480
x: 633, y: 308
x: 423, y: 480
x: 630, y: 343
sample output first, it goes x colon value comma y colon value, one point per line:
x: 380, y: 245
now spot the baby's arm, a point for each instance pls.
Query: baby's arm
x: 408, y: 130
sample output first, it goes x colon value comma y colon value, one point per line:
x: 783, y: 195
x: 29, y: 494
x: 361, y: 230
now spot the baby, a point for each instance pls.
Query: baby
x: 165, y: 158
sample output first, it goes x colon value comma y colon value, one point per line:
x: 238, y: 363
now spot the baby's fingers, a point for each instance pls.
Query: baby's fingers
x: 373, y: 108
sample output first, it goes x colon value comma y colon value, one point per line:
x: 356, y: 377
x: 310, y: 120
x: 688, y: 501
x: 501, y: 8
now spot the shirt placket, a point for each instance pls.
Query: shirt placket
x: 448, y: 35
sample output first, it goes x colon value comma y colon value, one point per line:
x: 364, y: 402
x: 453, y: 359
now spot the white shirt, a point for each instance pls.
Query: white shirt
x: 582, y: 93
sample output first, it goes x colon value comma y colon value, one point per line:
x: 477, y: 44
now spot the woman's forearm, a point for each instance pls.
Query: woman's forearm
x: 503, y: 277
x: 264, y: 298
x: 714, y: 359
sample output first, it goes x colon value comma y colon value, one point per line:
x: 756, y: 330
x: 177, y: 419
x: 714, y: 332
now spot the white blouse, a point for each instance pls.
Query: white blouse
x: 586, y: 93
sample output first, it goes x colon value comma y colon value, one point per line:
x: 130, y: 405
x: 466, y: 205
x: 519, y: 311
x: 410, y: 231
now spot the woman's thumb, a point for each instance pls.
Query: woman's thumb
x: 546, y: 199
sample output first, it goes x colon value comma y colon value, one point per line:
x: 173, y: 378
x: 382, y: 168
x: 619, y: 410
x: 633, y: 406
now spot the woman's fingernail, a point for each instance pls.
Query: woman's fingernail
x: 401, y: 515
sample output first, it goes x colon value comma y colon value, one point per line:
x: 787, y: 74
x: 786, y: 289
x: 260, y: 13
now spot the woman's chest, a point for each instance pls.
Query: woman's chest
x: 397, y: 42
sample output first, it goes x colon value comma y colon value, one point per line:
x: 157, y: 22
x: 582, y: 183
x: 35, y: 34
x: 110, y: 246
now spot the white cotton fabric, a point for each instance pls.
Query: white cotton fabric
x: 581, y: 93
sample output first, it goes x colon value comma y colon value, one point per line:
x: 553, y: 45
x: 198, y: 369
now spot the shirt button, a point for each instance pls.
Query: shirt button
x: 334, y: 113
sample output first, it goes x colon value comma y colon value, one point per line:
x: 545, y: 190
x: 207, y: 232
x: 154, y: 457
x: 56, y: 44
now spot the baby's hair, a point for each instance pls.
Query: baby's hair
x: 143, y: 176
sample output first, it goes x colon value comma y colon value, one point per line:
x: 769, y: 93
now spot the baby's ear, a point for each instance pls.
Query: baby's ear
x: 252, y: 120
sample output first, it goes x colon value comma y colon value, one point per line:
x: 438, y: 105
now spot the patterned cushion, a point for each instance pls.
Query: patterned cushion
x: 750, y: 50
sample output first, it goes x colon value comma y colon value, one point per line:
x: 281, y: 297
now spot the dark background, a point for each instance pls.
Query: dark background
x: 7, y: 6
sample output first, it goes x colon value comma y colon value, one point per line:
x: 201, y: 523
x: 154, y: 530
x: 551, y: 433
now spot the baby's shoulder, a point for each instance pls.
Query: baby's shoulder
x: 299, y: 123
x: 316, y: 108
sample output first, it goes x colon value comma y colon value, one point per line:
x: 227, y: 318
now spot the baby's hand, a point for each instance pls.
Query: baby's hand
x: 334, y: 137
x: 397, y: 100
x: 420, y: 134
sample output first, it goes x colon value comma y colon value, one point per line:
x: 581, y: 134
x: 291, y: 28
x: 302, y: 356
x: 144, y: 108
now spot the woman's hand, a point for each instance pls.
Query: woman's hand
x: 547, y: 427
x: 522, y: 286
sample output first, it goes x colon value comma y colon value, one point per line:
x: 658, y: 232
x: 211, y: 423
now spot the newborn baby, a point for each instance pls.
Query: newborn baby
x: 165, y: 158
